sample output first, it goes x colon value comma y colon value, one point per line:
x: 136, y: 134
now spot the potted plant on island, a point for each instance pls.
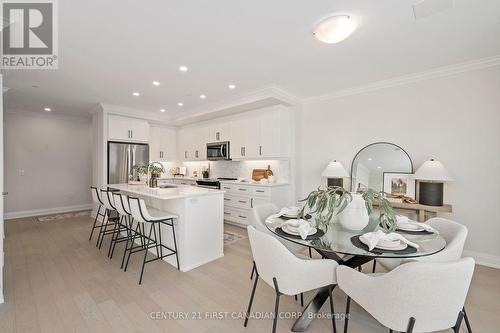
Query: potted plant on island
x: 142, y: 172
x: 351, y: 209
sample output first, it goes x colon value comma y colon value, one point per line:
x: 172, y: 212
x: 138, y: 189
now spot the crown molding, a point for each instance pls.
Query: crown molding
x: 408, y: 79
x: 267, y: 96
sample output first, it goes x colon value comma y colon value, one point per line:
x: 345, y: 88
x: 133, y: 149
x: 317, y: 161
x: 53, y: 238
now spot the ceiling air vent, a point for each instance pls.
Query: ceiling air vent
x: 426, y: 8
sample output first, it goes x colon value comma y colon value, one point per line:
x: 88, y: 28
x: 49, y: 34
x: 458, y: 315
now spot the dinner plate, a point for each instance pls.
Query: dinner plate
x: 409, y: 227
x: 398, y: 247
x: 286, y: 229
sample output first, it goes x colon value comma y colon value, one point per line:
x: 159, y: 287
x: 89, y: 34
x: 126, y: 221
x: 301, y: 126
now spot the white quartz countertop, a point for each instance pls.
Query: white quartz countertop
x: 174, y: 192
x: 252, y: 183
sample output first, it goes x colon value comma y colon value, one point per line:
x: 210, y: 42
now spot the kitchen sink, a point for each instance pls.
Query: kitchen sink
x: 167, y: 186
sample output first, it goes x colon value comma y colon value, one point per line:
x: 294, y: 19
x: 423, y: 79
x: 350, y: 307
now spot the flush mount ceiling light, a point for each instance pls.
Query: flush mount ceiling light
x: 180, y: 104
x: 136, y: 94
x: 156, y: 83
x: 47, y: 109
x: 183, y: 68
x: 334, y: 29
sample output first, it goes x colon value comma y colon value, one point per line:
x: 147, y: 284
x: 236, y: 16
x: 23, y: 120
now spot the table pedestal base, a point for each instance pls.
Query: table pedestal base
x: 309, y: 312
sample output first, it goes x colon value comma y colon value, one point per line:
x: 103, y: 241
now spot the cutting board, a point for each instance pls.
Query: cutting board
x: 258, y: 174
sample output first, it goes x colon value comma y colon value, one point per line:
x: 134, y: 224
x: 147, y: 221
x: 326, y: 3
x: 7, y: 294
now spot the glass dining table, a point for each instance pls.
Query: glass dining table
x: 338, y: 244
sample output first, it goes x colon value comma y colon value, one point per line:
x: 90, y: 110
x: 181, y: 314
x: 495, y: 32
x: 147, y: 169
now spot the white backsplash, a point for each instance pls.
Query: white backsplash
x: 233, y: 169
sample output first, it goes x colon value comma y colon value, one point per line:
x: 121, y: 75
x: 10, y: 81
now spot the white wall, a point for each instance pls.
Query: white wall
x: 455, y: 119
x: 55, y: 153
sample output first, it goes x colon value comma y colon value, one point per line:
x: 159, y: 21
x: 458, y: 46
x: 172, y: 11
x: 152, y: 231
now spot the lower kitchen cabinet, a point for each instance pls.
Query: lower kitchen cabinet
x: 239, y: 200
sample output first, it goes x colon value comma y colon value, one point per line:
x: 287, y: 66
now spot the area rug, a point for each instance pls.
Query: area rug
x: 61, y: 216
x: 231, y: 237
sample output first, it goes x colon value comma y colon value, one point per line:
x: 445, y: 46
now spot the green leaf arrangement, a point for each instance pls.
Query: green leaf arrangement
x: 387, y: 216
x: 326, y: 203
x: 141, y: 169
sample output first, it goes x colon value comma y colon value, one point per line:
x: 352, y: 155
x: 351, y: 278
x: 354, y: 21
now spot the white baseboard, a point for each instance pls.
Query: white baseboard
x: 484, y: 259
x: 46, y: 211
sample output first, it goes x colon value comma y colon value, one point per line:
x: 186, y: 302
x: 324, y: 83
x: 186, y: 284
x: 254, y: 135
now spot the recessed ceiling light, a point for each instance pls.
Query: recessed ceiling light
x: 162, y: 110
x: 203, y: 96
x: 335, y: 29
x: 180, y: 104
x: 379, y: 167
x: 369, y: 158
x: 183, y: 68
x: 136, y: 94
x: 47, y: 109
x: 231, y: 86
x: 156, y: 83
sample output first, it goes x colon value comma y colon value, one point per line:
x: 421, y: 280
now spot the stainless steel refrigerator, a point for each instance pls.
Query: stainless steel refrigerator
x: 122, y: 157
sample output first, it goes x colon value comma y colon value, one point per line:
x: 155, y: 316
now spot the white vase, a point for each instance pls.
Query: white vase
x: 355, y: 215
x: 143, y: 178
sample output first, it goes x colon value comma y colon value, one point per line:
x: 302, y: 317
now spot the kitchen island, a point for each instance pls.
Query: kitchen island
x: 200, y: 227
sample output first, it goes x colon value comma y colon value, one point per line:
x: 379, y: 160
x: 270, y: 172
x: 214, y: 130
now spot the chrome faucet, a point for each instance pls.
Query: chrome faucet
x: 149, y: 168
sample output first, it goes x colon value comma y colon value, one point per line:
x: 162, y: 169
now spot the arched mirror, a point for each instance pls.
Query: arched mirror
x: 383, y: 166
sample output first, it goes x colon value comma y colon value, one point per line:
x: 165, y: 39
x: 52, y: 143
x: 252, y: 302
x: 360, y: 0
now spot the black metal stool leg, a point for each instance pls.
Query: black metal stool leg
x: 374, y: 265
x: 149, y: 241
x: 95, y: 222
x: 175, y: 246
x: 103, y: 229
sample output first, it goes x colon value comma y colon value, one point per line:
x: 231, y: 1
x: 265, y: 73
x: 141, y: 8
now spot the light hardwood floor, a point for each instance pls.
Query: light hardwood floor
x: 56, y: 281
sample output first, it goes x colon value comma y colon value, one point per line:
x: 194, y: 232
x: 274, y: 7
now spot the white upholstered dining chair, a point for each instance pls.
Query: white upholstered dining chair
x: 286, y: 273
x: 414, y: 297
x: 454, y: 234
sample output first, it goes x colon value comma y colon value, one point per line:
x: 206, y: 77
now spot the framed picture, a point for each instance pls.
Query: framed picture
x: 398, y: 183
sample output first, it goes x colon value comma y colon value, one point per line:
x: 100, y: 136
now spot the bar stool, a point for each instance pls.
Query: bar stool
x: 126, y: 222
x: 110, y: 216
x: 152, y: 219
x: 100, y: 205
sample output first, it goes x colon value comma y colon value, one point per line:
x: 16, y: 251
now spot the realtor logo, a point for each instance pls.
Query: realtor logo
x: 29, y: 34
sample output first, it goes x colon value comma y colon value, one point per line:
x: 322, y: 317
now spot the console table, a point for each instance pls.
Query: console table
x: 422, y: 210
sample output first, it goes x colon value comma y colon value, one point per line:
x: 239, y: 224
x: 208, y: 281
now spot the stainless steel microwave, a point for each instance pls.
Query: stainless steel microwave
x: 218, y: 151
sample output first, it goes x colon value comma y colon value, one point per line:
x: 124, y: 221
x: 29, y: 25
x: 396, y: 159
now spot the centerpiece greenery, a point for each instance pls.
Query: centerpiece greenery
x: 326, y: 203
x: 141, y: 169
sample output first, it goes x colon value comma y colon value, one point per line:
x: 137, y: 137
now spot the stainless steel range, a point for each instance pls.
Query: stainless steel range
x: 213, y: 183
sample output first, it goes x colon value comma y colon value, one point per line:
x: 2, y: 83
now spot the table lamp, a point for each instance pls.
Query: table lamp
x: 335, y: 173
x: 431, y: 175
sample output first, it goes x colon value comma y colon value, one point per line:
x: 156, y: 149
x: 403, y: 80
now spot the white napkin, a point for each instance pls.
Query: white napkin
x: 285, y: 210
x: 371, y: 239
x: 302, y: 226
x: 401, y: 220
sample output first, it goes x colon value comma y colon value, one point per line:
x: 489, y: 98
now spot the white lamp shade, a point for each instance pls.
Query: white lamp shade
x: 335, y: 170
x: 433, y: 170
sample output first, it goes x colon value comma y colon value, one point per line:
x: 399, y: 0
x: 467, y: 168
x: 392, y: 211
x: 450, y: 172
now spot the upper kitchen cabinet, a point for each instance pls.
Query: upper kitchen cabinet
x: 263, y: 135
x: 246, y: 138
x: 192, y: 143
x: 127, y: 129
x: 162, y: 144
x: 220, y: 132
x: 275, y: 134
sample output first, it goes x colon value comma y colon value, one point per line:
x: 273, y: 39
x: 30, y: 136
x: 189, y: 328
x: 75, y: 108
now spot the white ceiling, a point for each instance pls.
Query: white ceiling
x: 108, y: 49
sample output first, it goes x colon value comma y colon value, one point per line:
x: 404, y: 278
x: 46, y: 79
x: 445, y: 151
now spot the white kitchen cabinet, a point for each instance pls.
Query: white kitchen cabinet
x: 274, y: 140
x: 192, y: 143
x: 264, y: 135
x: 162, y: 144
x: 245, y: 138
x: 127, y: 129
x: 220, y: 132
x: 239, y: 200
